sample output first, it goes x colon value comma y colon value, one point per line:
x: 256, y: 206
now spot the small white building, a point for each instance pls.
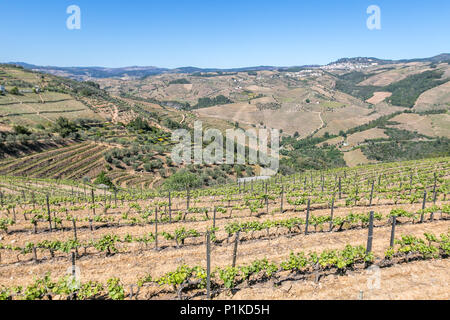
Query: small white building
x: 2, y: 89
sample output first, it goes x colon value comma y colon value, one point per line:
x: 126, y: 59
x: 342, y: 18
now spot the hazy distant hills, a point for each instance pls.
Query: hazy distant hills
x: 352, y: 111
x: 84, y: 73
x: 365, y: 60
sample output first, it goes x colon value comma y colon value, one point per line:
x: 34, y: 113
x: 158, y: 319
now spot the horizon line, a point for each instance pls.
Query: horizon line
x: 219, y: 68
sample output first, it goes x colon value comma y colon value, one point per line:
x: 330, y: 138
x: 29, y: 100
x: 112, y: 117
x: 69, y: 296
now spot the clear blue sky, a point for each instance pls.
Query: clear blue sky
x: 219, y: 33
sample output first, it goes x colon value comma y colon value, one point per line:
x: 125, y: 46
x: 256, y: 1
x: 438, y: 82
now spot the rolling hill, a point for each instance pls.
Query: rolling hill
x: 329, y: 116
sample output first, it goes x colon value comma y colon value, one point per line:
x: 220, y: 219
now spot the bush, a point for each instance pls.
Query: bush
x: 64, y: 127
x: 102, y: 178
x: 21, y: 130
x: 182, y: 180
x: 14, y: 91
x: 139, y: 124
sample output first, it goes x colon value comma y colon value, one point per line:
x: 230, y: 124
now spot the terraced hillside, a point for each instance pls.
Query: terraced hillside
x: 33, y: 105
x: 318, y: 100
x: 342, y: 114
x: 73, y: 162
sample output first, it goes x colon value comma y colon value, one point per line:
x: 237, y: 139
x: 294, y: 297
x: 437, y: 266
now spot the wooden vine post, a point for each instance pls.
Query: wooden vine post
x: 410, y: 184
x: 93, y: 201
x: 370, y: 235
x: 49, y: 214
x: 340, y: 188
x: 170, y: 207
x: 394, y: 222
x: 424, y: 202
x: 208, y: 266
x: 434, y: 189
x: 34, y: 254
x: 235, y: 249
x: 307, y: 217
x: 434, y: 197
x: 74, y: 274
x: 188, y: 198
x: 282, y: 198
x: 75, y: 236
x: 156, y: 229
x: 371, y: 193
x: 331, y: 215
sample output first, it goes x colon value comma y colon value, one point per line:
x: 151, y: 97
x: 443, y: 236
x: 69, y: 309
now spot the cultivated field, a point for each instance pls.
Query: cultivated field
x: 136, y: 244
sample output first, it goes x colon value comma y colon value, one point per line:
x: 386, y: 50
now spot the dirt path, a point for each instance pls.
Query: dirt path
x: 115, y: 114
x: 321, y: 126
x: 320, y: 117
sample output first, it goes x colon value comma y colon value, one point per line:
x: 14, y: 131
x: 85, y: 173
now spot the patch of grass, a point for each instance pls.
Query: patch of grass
x: 332, y: 104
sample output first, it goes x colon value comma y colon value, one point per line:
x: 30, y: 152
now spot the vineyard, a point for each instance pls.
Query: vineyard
x: 306, y: 231
x: 75, y: 162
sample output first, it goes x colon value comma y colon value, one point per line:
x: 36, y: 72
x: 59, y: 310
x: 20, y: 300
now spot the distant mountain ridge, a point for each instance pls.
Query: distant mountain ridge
x: 444, y: 57
x: 84, y: 73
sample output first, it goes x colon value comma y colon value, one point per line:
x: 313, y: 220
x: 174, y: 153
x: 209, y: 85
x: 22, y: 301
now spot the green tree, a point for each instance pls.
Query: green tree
x: 14, y: 91
x: 139, y: 124
x: 21, y: 130
x: 182, y: 180
x: 64, y: 127
x: 102, y: 178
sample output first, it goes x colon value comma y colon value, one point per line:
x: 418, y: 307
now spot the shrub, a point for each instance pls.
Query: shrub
x: 102, y: 178
x: 21, y: 130
x: 14, y: 91
x: 181, y: 180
